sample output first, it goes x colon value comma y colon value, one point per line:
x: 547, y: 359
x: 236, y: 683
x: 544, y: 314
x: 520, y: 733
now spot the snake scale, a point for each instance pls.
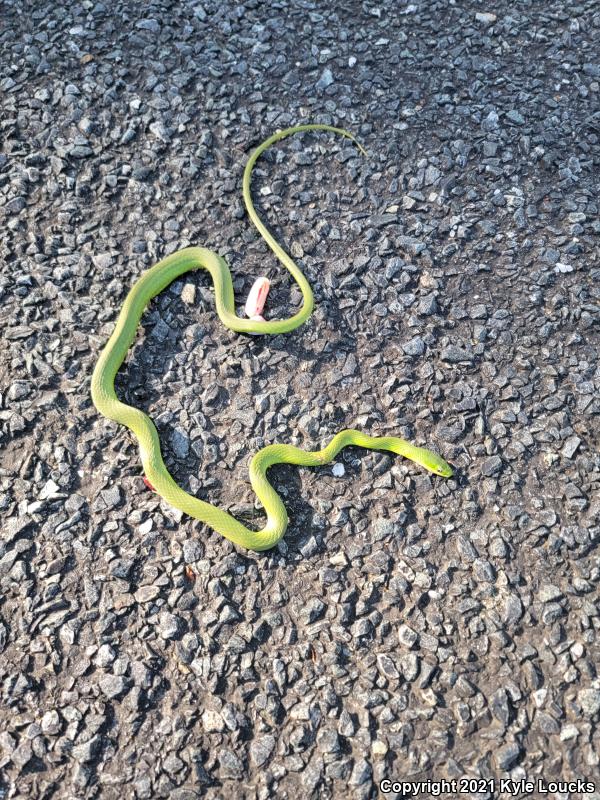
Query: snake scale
x: 151, y: 283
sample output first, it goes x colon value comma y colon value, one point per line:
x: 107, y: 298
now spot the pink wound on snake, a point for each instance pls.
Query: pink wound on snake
x: 257, y: 297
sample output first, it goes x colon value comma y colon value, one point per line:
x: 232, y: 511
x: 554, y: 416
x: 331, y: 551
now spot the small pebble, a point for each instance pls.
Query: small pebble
x: 188, y: 294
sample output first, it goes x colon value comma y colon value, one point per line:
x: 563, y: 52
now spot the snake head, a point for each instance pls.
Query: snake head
x: 438, y: 466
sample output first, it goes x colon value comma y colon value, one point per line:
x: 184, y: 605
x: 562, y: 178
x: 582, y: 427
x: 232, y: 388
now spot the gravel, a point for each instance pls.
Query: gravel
x: 507, y: 755
x: 113, y: 685
x: 261, y: 749
x: 407, y: 627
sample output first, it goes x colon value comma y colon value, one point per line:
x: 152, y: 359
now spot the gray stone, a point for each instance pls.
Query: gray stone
x: 173, y: 764
x: 516, y: 117
x: 328, y: 741
x: 414, y: 347
x: 231, y: 765
x: 113, y: 686
x: 19, y: 390
x: 500, y: 706
x: 362, y: 627
x: 212, y: 721
x: 170, y: 625
x: 87, y: 751
x: 456, y: 355
x: 548, y: 592
x: 192, y: 551
x: 103, y: 260
x: 428, y: 306
x: 111, y: 497
x: 570, y: 447
x: 312, y: 610
x: 180, y: 442
x: 407, y: 636
x: 149, y: 24
x: 325, y: 80
x: 512, y: 609
x: 105, y: 655
x: 361, y: 772
x: 261, y: 749
x: 507, y: 756
x: 146, y: 594
x: 51, y: 723
x: 589, y: 701
x: 491, y: 466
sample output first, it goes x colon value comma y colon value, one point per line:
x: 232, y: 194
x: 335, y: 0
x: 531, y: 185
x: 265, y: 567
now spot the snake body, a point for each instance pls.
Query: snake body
x: 151, y: 283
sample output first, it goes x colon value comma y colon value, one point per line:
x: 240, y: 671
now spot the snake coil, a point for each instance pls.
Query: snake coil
x: 151, y: 283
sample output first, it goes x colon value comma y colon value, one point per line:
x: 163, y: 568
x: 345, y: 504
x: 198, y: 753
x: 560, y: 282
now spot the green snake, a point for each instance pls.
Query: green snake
x: 151, y: 283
